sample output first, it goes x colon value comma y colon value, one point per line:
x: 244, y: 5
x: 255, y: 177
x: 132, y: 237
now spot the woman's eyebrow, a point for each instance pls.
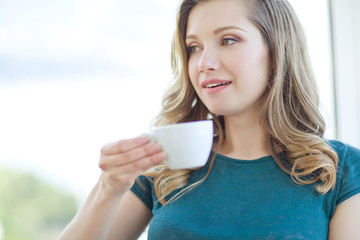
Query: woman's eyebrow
x: 217, y: 31
x: 221, y: 29
x: 191, y: 36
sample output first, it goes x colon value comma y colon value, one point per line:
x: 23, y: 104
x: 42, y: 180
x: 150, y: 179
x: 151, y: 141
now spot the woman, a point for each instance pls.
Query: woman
x: 271, y: 174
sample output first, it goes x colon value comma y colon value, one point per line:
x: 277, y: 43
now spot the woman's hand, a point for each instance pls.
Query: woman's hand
x: 123, y: 161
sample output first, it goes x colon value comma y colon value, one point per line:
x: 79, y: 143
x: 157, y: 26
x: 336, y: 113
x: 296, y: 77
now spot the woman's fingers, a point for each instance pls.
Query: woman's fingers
x: 123, y: 158
x: 143, y: 164
x: 121, y: 178
x: 130, y: 156
x: 135, y: 168
x: 124, y: 145
x: 121, y: 162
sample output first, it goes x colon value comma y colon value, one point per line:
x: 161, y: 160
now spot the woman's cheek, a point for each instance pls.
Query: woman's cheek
x: 192, y: 73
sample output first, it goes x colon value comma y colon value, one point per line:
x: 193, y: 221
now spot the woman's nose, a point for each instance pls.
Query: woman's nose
x: 208, y: 61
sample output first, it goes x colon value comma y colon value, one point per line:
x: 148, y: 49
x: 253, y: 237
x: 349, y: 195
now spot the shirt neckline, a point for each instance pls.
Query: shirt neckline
x: 229, y: 159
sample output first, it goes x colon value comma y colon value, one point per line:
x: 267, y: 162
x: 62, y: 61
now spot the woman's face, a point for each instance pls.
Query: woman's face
x: 229, y: 62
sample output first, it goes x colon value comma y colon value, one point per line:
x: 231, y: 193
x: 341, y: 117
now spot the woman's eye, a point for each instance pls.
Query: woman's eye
x: 193, y: 49
x: 228, y: 41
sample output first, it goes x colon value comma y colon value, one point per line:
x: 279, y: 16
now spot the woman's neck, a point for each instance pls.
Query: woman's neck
x: 244, y: 139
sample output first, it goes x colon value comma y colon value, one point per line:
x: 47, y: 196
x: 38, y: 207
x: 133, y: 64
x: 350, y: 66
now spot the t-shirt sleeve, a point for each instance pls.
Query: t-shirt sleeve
x: 142, y: 188
x: 350, y: 182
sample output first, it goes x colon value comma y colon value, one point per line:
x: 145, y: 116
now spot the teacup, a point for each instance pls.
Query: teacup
x: 187, y: 145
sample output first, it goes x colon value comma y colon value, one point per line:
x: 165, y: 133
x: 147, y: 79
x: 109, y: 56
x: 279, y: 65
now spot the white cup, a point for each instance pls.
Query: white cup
x: 187, y: 145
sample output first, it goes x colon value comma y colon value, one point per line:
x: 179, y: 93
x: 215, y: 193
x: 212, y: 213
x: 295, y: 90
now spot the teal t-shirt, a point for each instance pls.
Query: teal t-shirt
x: 254, y: 199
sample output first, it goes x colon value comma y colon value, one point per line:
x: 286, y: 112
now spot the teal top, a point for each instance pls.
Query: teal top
x: 254, y: 199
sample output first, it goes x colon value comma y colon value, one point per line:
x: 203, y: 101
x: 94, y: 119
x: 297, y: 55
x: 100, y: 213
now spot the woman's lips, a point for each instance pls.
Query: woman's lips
x: 215, y: 85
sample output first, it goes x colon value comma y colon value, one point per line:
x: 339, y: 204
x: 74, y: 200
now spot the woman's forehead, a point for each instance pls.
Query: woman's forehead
x: 214, y: 14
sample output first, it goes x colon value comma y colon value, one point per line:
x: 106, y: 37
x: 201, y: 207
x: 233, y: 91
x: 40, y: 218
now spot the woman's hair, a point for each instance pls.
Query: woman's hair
x: 290, y: 107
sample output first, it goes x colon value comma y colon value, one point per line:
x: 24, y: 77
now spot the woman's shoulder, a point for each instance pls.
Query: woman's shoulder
x: 344, y: 150
x: 143, y: 188
x: 348, y: 155
x: 348, y: 173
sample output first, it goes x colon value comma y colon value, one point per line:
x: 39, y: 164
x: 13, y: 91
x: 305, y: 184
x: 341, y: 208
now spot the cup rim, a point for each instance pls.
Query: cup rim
x: 182, y: 124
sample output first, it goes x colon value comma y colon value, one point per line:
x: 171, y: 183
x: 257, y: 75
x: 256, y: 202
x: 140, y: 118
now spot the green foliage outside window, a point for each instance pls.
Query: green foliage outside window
x: 31, y: 208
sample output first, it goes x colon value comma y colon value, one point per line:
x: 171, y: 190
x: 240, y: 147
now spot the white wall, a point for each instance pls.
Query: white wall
x: 346, y: 43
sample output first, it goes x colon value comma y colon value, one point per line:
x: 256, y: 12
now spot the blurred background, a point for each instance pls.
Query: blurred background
x: 76, y: 74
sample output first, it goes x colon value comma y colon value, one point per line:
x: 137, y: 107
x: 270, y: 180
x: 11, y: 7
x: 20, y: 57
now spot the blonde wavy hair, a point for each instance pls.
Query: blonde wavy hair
x: 290, y: 106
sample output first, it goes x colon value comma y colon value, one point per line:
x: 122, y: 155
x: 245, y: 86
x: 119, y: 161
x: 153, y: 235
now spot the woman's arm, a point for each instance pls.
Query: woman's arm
x: 345, y: 224
x: 110, y: 203
x: 131, y: 218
